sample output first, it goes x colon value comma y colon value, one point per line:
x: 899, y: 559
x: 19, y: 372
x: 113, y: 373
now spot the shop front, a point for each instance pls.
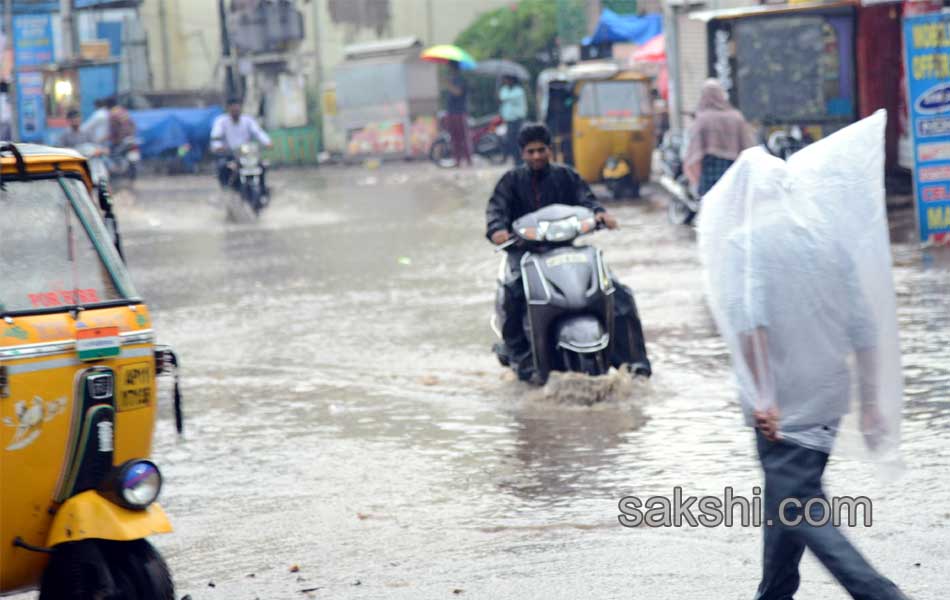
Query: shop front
x: 820, y: 66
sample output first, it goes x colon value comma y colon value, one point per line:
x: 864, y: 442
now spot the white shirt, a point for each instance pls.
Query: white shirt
x: 97, y: 126
x: 230, y: 134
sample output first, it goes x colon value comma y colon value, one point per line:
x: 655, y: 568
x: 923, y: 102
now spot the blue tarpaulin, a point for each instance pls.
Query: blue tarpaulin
x: 163, y: 129
x: 625, y: 28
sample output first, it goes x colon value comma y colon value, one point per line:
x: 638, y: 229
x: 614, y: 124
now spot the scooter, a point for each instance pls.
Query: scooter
x: 684, y: 203
x: 568, y: 289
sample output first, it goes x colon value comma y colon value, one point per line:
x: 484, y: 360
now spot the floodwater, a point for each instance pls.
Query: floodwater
x: 350, y: 435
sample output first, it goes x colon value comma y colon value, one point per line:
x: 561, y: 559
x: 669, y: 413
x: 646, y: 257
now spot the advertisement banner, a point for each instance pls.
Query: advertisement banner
x: 33, y: 40
x: 927, y: 52
x: 32, y: 109
x: 33, y: 47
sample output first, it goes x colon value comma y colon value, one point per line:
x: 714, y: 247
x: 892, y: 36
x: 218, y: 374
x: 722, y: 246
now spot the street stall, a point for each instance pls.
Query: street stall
x: 384, y: 100
x: 819, y: 66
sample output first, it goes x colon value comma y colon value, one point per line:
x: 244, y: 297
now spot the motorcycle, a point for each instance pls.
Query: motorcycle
x: 487, y: 139
x: 123, y: 161
x: 684, y: 203
x: 569, y: 292
x: 247, y: 176
x: 97, y: 159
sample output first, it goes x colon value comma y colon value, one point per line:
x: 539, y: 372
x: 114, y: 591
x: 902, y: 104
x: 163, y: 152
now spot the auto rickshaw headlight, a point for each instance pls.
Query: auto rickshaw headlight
x: 135, y: 484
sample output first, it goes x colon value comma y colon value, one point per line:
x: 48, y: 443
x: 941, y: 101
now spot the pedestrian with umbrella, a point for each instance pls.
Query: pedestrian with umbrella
x: 457, y: 97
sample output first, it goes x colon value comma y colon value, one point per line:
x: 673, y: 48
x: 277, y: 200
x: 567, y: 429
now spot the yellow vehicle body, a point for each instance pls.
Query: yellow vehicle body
x: 42, y: 400
x: 606, y: 127
x: 598, y: 137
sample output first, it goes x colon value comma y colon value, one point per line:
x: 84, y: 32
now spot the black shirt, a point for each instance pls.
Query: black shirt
x: 521, y: 191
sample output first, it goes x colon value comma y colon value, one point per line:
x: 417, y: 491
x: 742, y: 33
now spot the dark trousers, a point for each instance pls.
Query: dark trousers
x: 457, y: 125
x: 628, y: 345
x: 793, y: 471
x: 511, y: 140
x: 224, y: 170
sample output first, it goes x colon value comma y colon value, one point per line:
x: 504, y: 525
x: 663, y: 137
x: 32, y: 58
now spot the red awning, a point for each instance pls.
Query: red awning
x: 652, y: 51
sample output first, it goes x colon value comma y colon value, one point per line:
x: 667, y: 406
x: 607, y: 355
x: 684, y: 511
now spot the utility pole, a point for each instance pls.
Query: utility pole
x: 229, y: 86
x: 166, y: 57
x: 69, y: 29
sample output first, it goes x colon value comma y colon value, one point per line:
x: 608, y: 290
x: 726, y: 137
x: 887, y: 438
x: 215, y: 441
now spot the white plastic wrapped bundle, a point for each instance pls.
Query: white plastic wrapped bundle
x: 798, y: 266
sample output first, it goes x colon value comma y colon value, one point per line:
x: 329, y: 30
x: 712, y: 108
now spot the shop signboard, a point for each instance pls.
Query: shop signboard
x: 927, y: 52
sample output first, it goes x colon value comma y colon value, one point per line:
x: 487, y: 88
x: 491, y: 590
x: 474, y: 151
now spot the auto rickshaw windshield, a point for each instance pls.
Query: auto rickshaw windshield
x: 618, y: 99
x: 55, y: 252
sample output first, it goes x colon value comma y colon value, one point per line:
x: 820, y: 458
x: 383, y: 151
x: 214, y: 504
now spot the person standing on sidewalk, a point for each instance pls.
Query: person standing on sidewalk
x: 457, y: 115
x: 513, y: 109
x: 793, y: 254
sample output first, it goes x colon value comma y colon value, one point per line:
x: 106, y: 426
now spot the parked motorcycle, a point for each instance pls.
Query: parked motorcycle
x: 684, y: 203
x: 570, y: 302
x: 784, y: 141
x: 486, y: 135
x: 247, y: 176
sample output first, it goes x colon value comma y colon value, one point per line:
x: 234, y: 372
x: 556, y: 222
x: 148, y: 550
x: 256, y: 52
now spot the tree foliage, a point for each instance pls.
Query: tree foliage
x: 525, y: 33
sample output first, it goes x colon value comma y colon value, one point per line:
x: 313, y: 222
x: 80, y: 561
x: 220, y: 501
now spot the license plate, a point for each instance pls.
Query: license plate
x: 134, y: 386
x: 251, y: 171
x: 134, y: 156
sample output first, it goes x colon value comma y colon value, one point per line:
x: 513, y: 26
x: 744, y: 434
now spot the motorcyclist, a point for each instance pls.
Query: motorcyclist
x: 121, y: 126
x: 97, y: 125
x: 525, y: 189
x: 229, y: 132
x: 74, y: 136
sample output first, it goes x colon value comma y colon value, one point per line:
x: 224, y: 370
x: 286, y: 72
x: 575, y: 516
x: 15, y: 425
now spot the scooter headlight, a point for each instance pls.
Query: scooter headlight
x: 135, y: 484
x: 562, y: 230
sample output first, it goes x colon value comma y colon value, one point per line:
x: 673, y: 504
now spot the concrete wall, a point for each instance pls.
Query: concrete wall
x: 185, y: 54
x: 193, y: 49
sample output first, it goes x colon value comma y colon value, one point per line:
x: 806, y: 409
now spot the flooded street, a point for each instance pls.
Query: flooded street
x: 350, y: 435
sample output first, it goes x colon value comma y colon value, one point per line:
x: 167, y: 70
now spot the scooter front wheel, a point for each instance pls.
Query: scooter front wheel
x: 94, y: 569
x: 588, y: 363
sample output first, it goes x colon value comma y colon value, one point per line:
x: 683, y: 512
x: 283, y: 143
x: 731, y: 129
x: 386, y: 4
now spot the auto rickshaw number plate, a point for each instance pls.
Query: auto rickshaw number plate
x: 134, y: 386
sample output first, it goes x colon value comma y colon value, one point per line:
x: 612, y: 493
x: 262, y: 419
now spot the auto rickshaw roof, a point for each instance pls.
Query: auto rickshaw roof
x: 24, y: 159
x: 590, y: 70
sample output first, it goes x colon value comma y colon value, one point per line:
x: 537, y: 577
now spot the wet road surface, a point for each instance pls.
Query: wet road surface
x: 346, y: 420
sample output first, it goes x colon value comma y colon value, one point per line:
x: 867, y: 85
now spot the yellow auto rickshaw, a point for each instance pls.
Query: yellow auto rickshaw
x: 78, y: 363
x: 601, y: 121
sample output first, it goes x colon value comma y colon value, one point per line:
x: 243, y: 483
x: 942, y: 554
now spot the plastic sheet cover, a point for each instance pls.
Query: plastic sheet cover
x: 798, y: 271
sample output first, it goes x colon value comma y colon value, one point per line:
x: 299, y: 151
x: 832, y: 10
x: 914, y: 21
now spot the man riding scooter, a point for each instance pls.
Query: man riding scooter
x: 525, y: 189
x: 228, y: 133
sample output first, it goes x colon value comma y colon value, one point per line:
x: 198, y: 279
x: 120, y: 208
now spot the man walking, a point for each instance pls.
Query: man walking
x: 784, y: 249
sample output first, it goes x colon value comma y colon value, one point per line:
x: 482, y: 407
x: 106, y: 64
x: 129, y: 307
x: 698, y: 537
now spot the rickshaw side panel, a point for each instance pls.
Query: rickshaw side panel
x: 40, y: 417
